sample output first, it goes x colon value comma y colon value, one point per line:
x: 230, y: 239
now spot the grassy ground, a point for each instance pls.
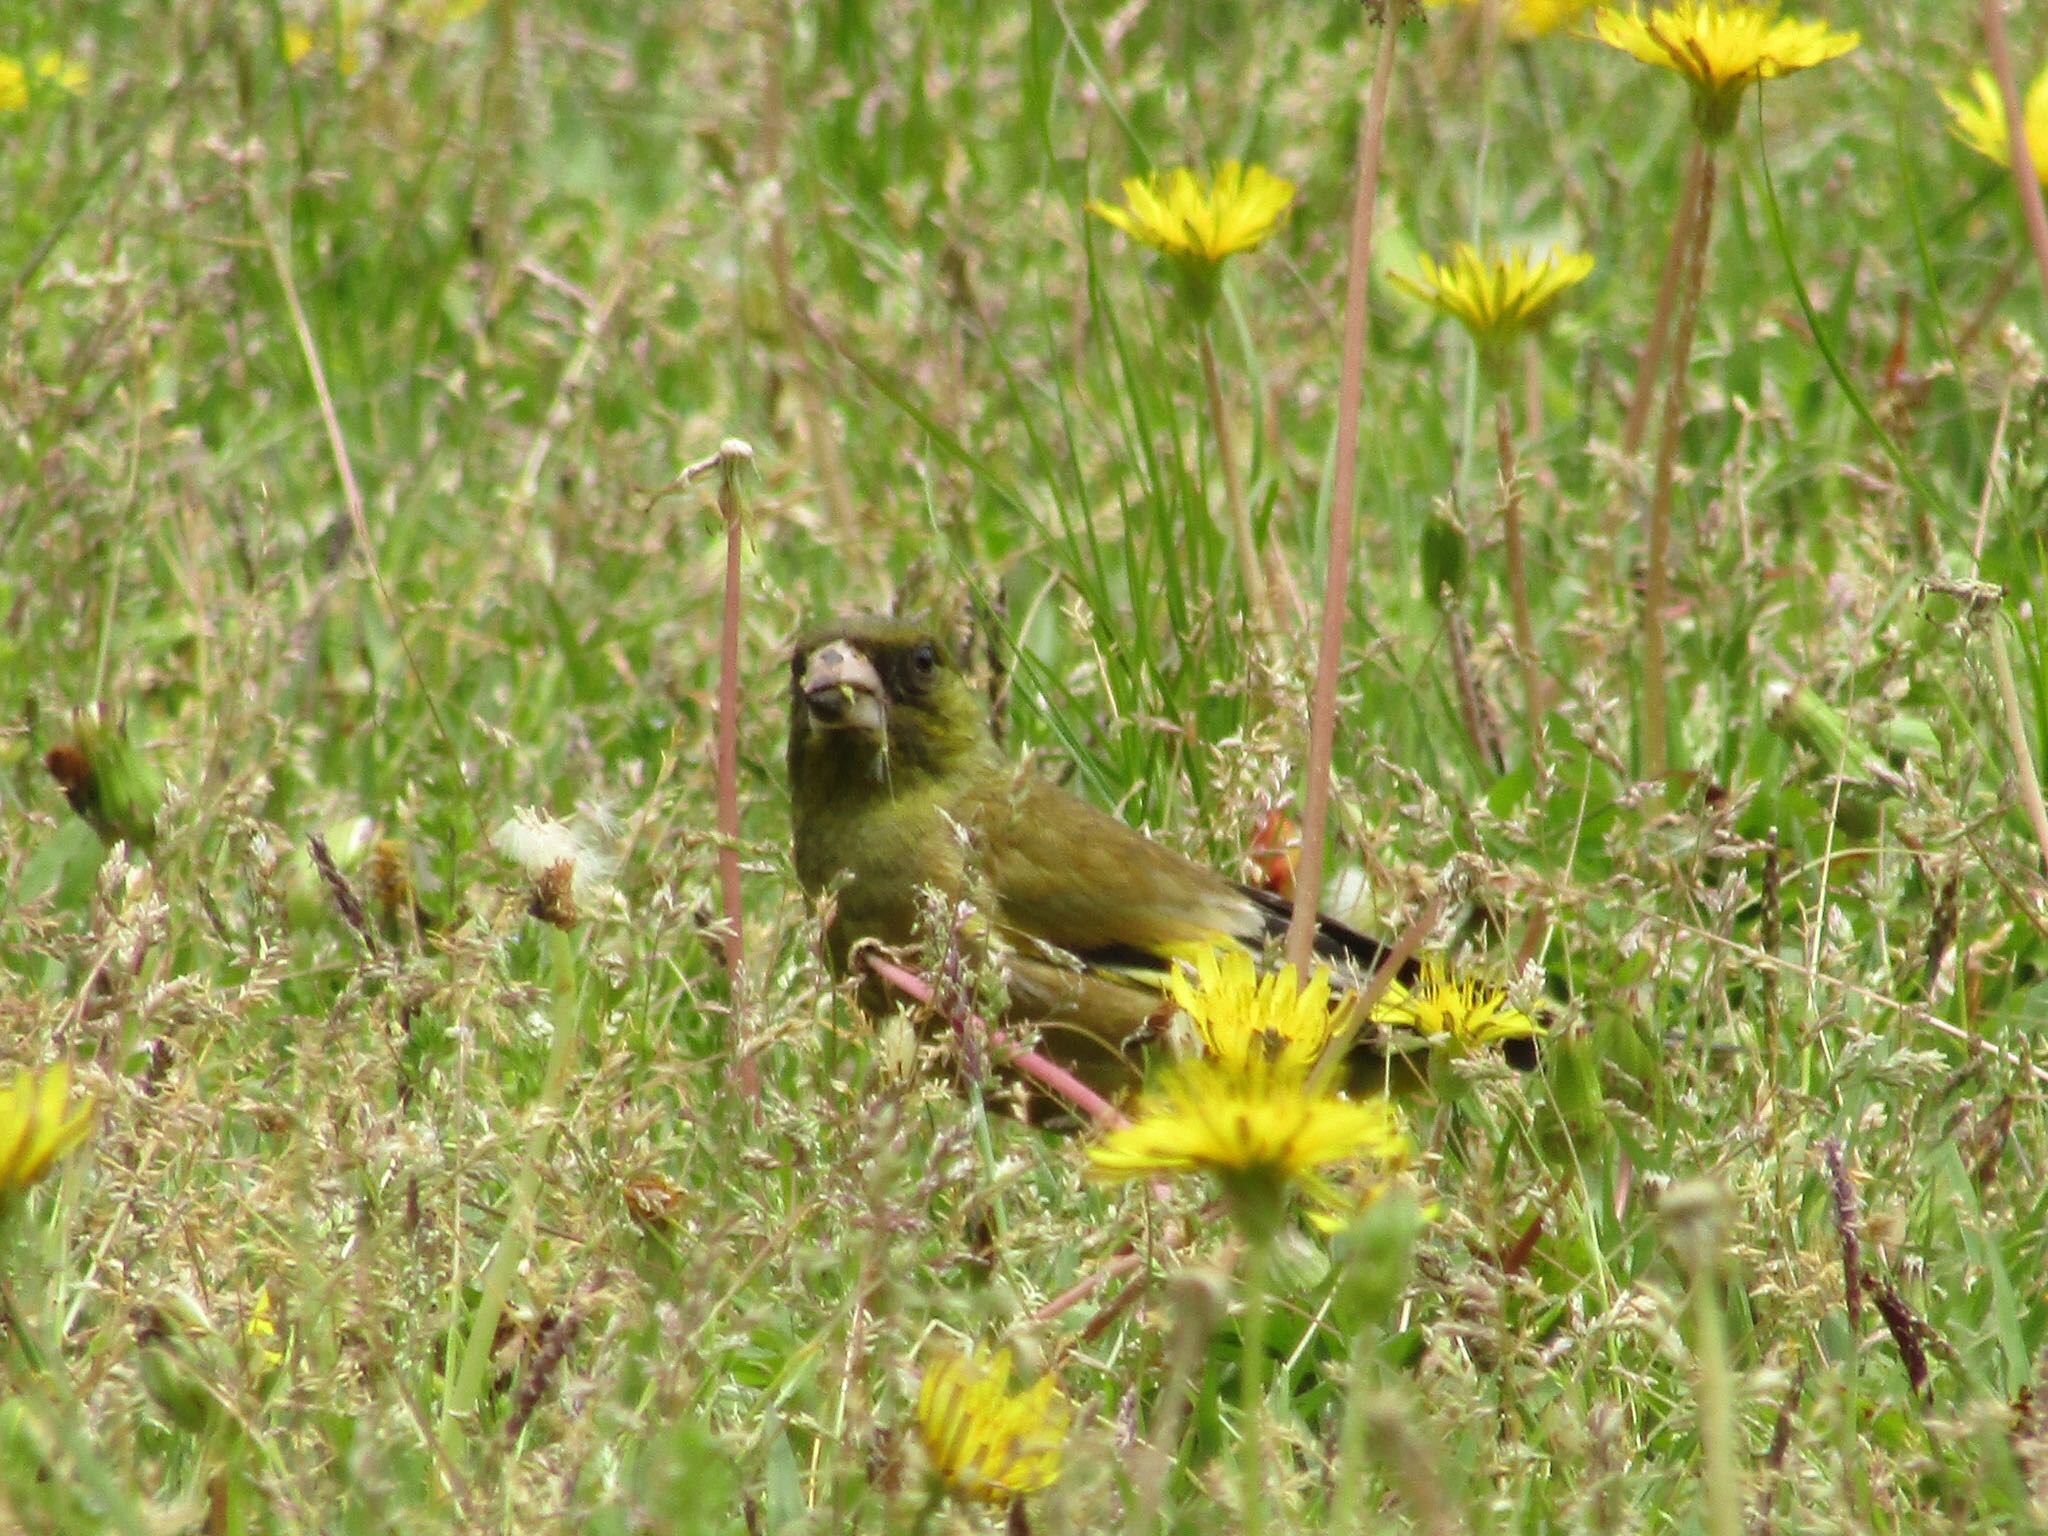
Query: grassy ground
x: 506, y: 273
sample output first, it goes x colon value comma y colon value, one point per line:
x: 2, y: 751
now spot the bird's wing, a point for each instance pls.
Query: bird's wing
x: 1093, y: 914
x: 1069, y: 875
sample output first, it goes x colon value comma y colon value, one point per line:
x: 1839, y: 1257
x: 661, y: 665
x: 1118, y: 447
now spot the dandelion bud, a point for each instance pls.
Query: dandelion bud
x: 106, y: 781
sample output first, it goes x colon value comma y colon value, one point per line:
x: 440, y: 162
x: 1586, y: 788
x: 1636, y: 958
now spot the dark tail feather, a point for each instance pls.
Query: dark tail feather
x: 1334, y: 940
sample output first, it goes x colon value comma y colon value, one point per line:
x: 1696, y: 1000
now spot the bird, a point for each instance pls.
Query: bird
x: 898, y: 790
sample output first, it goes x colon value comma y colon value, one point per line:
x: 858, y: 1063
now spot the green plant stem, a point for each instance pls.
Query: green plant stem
x: 1322, y: 720
x: 1717, y: 1409
x: 820, y: 432
x: 1518, y: 576
x: 39, y: 1379
x: 2028, y: 779
x: 1248, y: 568
x: 1347, y: 1500
x: 1656, y: 576
x: 506, y: 1258
x: 1252, y: 1385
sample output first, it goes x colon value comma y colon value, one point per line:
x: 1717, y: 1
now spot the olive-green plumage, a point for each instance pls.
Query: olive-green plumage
x: 897, y: 787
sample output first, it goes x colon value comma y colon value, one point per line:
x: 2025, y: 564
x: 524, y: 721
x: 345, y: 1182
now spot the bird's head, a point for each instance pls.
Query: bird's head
x: 880, y: 701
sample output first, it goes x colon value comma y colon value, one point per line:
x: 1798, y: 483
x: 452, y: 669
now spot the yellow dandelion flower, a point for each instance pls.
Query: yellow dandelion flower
x: 1525, y: 20
x: 1464, y: 1012
x: 261, y: 1332
x: 302, y: 42
x: 34, y: 1130
x: 68, y: 75
x: 1265, y: 1134
x: 986, y: 1442
x: 1980, y: 121
x: 1199, y: 224
x: 1251, y: 1022
x: 1498, y: 296
x: 1720, y: 48
x: 50, y: 67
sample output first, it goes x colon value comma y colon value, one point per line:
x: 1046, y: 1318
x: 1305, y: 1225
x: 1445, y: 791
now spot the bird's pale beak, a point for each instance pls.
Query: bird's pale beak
x: 842, y: 689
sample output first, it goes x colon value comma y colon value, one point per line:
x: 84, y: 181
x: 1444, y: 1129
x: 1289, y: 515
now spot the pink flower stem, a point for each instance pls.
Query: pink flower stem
x: 1047, y: 1074
x: 1645, y: 391
x: 1126, y: 1263
x: 2025, y: 174
x: 727, y: 462
x: 1322, y: 719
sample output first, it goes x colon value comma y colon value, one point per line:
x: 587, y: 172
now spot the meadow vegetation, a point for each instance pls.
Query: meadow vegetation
x: 359, y: 668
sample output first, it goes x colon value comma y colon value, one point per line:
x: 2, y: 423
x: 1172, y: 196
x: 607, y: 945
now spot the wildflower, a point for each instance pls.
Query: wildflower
x: 68, y: 75
x: 389, y: 867
x: 1258, y: 1136
x: 261, y: 1332
x: 1251, y: 1023
x: 1981, y: 123
x: 106, y: 781
x: 335, y: 31
x: 1525, y: 20
x: 49, y: 66
x: 34, y: 1130
x: 986, y: 1442
x: 1498, y: 296
x: 1197, y: 226
x: 1464, y: 1012
x: 566, y: 868
x: 1720, y: 48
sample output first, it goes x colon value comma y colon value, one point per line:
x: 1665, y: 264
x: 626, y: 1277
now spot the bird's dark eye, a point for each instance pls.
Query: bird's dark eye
x: 924, y: 662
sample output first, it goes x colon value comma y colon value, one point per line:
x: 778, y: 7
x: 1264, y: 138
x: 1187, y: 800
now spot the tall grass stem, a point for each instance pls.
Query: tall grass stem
x: 2026, y: 176
x: 1650, y: 365
x: 2016, y: 737
x: 1322, y: 724
x: 1657, y: 574
x: 1248, y: 567
x: 1723, y: 1487
x: 1518, y: 576
x: 821, y: 436
x: 1252, y: 1389
x: 733, y: 456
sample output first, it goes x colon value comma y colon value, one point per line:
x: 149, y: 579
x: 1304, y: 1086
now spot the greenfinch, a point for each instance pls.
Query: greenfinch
x: 898, y: 790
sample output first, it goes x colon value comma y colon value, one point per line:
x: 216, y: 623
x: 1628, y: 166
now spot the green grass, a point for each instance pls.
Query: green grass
x: 535, y: 258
